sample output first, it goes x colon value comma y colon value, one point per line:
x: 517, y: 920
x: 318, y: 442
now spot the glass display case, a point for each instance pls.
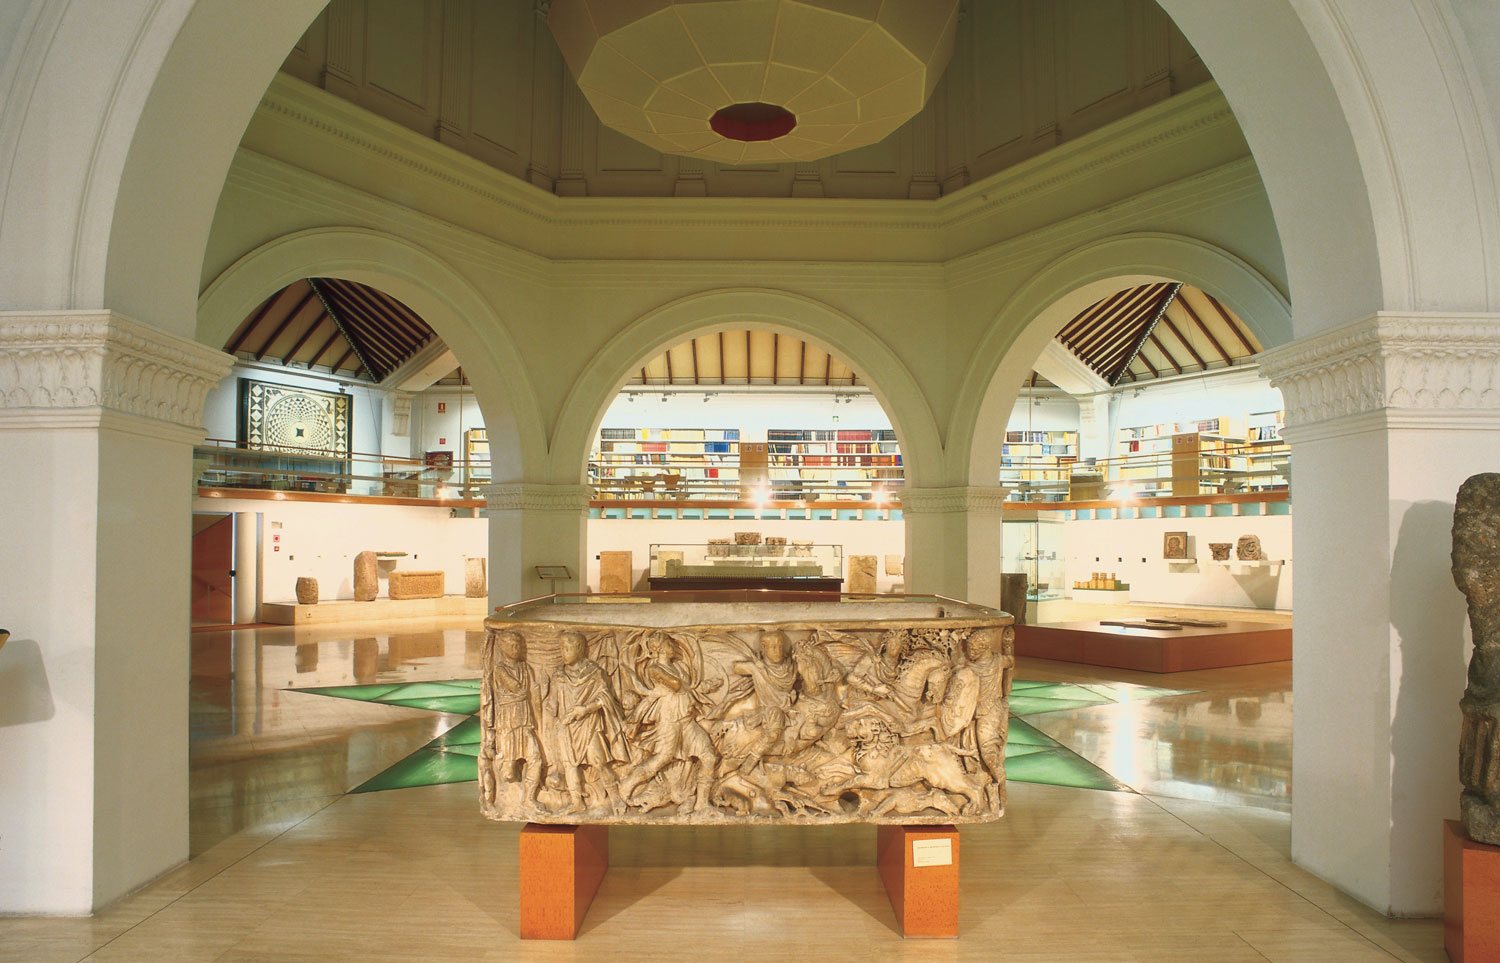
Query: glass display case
x: 1031, y: 542
x: 735, y: 562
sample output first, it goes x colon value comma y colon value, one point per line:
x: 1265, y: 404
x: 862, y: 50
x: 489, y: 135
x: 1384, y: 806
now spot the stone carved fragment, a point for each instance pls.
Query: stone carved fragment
x: 307, y: 590
x: 1247, y: 549
x: 366, y: 577
x: 1476, y: 571
x: 408, y: 584
x: 861, y: 575
x: 476, y: 579
x: 1220, y: 550
x: 896, y: 715
x: 895, y: 564
x: 718, y: 547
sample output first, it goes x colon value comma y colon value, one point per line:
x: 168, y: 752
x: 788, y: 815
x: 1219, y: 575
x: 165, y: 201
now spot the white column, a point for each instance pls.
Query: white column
x: 1386, y: 417
x: 1094, y: 435
x: 98, y: 416
x: 533, y: 525
x: 247, y: 567
x: 953, y: 541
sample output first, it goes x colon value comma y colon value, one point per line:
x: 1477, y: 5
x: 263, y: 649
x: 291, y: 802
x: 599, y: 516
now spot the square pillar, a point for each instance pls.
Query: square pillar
x: 533, y: 525
x: 1386, y: 417
x: 953, y: 541
x: 98, y: 417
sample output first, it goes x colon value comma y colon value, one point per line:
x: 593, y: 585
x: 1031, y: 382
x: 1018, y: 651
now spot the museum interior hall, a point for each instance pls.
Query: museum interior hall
x: 438, y: 427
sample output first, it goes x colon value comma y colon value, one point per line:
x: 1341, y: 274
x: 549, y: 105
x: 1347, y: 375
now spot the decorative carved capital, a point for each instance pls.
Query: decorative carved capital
x: 1416, y: 362
x: 572, y: 499
x: 947, y: 501
x: 98, y: 359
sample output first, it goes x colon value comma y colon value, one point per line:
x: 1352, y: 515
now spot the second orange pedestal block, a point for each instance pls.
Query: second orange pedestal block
x: 561, y: 868
x: 919, y: 865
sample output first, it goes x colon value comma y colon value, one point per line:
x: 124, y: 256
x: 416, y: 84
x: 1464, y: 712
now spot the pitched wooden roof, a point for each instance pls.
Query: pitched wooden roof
x: 327, y: 324
x: 745, y: 357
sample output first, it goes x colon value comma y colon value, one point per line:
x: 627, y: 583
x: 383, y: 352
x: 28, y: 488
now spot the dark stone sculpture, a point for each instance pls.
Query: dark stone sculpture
x: 1476, y: 570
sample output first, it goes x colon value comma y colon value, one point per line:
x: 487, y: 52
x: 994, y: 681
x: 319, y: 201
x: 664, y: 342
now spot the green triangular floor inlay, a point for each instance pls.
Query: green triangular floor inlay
x: 1031, y: 755
x: 466, y: 704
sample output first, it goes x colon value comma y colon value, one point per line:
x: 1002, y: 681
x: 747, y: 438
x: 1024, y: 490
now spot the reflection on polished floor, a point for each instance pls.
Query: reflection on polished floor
x: 1189, y: 862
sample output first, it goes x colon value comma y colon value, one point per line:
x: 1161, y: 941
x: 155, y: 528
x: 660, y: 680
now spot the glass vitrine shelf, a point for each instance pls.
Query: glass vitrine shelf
x: 703, y: 561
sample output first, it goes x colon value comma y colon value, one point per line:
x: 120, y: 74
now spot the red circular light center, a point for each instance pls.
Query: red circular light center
x: 753, y: 122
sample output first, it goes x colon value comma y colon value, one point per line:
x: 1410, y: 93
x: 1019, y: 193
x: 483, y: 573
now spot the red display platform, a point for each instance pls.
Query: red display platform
x: 919, y: 865
x: 1154, y: 650
x: 1471, y: 896
x: 561, y: 868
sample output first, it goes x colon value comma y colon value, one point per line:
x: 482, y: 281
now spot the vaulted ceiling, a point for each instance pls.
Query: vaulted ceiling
x: 332, y: 326
x: 745, y: 357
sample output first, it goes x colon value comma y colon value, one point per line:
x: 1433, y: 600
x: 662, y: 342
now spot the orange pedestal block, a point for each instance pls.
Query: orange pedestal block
x: 919, y: 865
x: 561, y: 869
x: 1471, y: 896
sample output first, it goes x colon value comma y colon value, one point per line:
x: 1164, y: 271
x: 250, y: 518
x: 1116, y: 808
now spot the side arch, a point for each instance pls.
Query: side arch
x: 459, y: 314
x: 1039, y: 309
x: 607, y: 372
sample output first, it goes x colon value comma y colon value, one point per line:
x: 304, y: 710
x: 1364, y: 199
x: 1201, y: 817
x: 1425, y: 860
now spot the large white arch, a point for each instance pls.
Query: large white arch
x: 1056, y: 293
x: 842, y: 336
x: 446, y: 300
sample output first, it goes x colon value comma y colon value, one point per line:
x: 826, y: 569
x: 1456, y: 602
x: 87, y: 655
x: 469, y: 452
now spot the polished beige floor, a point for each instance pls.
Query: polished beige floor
x: 1191, y: 866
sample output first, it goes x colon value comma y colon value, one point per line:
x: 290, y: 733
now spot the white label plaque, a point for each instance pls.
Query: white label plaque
x: 931, y: 852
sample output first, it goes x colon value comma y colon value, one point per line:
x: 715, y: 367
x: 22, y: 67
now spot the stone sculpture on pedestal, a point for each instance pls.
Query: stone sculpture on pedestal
x: 869, y: 719
x: 1476, y: 570
x: 1248, y: 549
x: 476, y: 581
x: 307, y: 591
x: 366, y: 577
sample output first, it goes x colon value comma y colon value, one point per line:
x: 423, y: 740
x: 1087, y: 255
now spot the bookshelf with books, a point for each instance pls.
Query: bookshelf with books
x: 809, y: 463
x: 638, y: 462
x: 1184, y: 457
x: 1033, y: 459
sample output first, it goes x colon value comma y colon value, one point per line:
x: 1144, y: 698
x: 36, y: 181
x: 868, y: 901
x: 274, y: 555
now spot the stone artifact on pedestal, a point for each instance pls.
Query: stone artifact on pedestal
x: 861, y: 575
x: 1247, y: 549
x: 1220, y: 550
x: 775, y: 545
x: 476, y: 578
x: 405, y: 584
x: 718, y: 547
x: 745, y: 542
x: 802, y: 548
x: 745, y: 712
x: 616, y: 572
x: 307, y: 591
x: 366, y: 577
x: 895, y: 564
x: 1476, y: 571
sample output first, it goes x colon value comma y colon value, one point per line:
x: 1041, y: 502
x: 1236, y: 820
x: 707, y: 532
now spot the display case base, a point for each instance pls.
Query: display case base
x: 1191, y: 647
x: 561, y: 868
x: 919, y: 865
x: 1471, y: 896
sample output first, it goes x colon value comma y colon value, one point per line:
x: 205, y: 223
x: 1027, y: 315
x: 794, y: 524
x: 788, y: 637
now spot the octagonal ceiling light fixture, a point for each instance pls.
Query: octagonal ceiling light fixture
x: 755, y: 81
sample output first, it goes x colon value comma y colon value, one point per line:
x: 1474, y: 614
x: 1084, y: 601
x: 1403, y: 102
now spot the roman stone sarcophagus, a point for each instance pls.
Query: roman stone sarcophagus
x: 884, y: 711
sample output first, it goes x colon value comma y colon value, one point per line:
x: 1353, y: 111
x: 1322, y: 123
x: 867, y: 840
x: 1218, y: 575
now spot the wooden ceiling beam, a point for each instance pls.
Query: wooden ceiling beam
x: 668, y: 355
x: 1091, y: 314
x: 1184, y: 341
x: 254, y: 321
x: 306, y: 336
x: 337, y: 334
x: 775, y: 357
x: 384, y: 307
x: 1164, y: 353
x: 266, y: 348
x: 1198, y: 322
x: 1125, y: 315
x: 345, y: 358
x: 1230, y: 322
x: 802, y: 366
x: 339, y: 323
x: 1135, y: 349
x: 370, y: 328
x: 694, y: 343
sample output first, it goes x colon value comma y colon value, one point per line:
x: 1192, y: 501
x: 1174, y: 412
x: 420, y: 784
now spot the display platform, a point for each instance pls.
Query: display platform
x: 349, y: 610
x: 1156, y: 650
x: 786, y: 589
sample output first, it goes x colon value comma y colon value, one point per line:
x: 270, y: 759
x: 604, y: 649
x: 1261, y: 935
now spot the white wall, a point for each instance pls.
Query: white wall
x: 1132, y: 549
x: 876, y: 538
x: 443, y: 431
x: 320, y: 539
x: 1043, y: 412
x: 1195, y: 399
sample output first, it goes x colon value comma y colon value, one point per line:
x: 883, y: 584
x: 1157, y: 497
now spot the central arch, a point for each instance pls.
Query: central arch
x: 889, y: 379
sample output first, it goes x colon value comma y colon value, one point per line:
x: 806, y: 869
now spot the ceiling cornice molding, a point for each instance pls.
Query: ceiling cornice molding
x: 551, y: 224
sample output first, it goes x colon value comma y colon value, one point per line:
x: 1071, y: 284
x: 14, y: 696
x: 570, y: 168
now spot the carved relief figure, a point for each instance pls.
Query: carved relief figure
x: 592, y: 725
x: 668, y: 714
x: 509, y: 706
x: 774, y: 678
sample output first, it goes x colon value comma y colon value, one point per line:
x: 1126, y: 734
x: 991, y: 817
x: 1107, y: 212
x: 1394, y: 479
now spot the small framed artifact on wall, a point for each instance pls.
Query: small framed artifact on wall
x: 1175, y: 546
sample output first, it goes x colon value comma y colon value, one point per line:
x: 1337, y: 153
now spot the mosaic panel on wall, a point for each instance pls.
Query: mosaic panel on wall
x: 297, y: 420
